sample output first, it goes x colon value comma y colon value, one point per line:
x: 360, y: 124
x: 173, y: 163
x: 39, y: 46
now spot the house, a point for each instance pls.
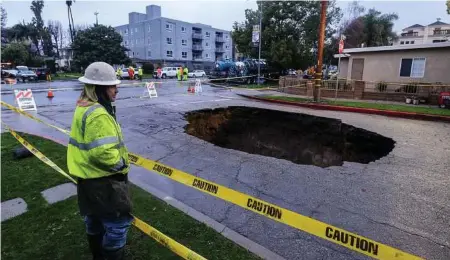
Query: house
x: 65, y: 57
x: 399, y: 63
x: 419, y: 34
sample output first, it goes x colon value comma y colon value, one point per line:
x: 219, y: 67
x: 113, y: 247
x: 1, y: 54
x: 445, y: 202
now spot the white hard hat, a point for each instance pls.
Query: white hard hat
x: 100, y: 73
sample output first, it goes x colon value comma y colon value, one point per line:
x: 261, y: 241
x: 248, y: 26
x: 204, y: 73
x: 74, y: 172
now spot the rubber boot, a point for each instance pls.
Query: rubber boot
x: 118, y: 254
x: 95, y: 245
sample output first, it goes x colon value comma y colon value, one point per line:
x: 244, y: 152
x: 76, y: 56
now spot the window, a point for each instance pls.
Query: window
x: 207, y: 44
x: 402, y: 42
x: 435, y: 41
x: 126, y: 42
x: 169, y: 53
x: 169, y: 40
x: 184, y: 54
x: 126, y: 31
x: 136, y: 29
x: 207, y: 55
x: 169, y: 27
x: 226, y: 56
x: 207, y: 34
x: 148, y: 29
x: 407, y: 42
x: 183, y: 29
x: 226, y: 46
x: 413, y: 68
x: 226, y: 36
x: 184, y: 42
x: 412, y: 42
x: 149, y: 54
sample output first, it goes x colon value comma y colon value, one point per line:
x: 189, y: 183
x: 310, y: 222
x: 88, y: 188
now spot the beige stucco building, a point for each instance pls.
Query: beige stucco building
x: 423, y: 34
x: 398, y: 63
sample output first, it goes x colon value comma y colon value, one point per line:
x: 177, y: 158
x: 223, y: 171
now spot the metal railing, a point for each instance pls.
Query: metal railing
x: 197, y: 47
x: 409, y: 34
x: 220, y: 49
x: 197, y: 58
x: 441, y: 32
x: 219, y: 39
x: 197, y: 36
x: 342, y: 84
x: 408, y: 88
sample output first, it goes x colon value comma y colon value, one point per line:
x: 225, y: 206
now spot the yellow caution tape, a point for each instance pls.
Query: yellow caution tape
x: 164, y: 240
x: 320, y: 229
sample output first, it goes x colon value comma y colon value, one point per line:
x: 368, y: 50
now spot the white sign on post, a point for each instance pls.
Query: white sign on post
x: 198, y: 86
x: 151, y: 90
x: 25, y: 99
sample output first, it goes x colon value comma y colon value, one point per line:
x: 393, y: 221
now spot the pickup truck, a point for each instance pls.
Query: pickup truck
x: 166, y: 72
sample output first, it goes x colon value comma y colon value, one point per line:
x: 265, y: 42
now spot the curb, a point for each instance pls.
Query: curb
x: 390, y: 113
x: 237, y: 238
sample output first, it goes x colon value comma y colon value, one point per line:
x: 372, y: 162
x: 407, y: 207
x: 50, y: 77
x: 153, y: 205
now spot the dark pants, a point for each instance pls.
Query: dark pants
x: 114, y: 230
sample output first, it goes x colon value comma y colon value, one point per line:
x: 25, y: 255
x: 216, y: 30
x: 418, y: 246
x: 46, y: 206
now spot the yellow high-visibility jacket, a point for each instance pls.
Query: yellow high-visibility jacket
x: 140, y: 72
x: 96, y: 147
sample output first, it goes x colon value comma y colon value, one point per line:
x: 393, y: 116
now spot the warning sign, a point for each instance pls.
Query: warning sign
x: 150, y: 90
x: 198, y: 86
x: 25, y: 99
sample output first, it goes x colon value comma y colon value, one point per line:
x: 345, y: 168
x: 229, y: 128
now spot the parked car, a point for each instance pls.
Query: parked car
x: 125, y: 74
x: 197, y: 74
x: 166, y: 72
x: 25, y: 74
x: 41, y: 73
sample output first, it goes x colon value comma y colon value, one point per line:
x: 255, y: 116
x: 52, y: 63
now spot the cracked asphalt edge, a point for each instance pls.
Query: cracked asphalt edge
x: 237, y: 238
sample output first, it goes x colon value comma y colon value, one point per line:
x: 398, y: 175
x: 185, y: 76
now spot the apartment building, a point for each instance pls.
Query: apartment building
x: 170, y: 42
x: 420, y: 34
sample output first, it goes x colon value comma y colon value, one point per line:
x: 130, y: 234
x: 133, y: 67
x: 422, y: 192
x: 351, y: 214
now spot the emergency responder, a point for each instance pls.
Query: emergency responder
x: 131, y: 72
x: 180, y: 73
x: 140, y: 73
x: 119, y: 73
x: 185, y: 73
x: 97, y: 156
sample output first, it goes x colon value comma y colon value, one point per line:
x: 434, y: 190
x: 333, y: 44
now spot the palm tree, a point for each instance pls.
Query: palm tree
x: 69, y: 14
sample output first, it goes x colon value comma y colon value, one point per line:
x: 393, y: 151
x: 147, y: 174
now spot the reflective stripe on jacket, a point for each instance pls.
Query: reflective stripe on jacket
x: 96, y: 147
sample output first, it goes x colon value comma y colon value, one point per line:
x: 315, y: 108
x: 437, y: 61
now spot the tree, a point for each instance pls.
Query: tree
x: 55, y: 29
x: 69, y: 15
x: 4, y: 19
x: 289, y: 32
x: 16, y: 53
x: 448, y: 6
x: 40, y: 33
x: 98, y: 43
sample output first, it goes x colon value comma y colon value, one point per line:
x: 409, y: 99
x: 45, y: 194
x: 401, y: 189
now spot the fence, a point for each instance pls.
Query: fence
x: 355, y: 89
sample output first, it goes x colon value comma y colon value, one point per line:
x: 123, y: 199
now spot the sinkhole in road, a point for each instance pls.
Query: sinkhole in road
x: 300, y: 138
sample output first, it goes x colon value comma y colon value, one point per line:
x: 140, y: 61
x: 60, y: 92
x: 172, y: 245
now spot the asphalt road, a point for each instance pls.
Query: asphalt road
x: 401, y: 200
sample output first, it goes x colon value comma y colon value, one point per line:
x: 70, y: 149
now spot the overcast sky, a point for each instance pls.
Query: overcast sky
x: 219, y: 14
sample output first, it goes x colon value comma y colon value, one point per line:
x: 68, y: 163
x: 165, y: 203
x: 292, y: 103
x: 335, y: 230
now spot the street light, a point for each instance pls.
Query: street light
x: 259, y: 49
x: 96, y: 17
x: 318, y: 76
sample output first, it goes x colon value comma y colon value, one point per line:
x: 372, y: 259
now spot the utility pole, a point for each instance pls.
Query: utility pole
x: 96, y: 17
x: 318, y: 76
x: 259, y: 49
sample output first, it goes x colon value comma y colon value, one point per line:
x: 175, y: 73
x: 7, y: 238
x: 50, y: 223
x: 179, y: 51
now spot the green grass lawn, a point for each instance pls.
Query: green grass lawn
x: 57, y: 231
x: 381, y: 106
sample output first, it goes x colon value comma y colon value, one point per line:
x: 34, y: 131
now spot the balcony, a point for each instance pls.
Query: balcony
x: 196, y: 35
x: 220, y: 39
x: 197, y: 58
x: 441, y: 32
x: 219, y: 49
x: 410, y: 34
x: 197, y: 47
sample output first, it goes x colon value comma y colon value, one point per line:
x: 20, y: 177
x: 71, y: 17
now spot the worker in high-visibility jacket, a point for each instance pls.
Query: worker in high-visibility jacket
x: 119, y: 73
x: 97, y: 156
x: 140, y: 73
x: 185, y: 73
x: 180, y: 73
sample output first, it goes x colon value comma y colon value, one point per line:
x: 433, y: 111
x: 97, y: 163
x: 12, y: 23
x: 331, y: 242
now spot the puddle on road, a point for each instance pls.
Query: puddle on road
x: 300, y: 138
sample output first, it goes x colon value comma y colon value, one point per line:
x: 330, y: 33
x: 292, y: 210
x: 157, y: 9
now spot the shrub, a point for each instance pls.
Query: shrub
x: 148, y: 68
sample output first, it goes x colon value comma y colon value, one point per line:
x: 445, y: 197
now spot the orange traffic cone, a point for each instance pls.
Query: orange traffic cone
x: 50, y: 94
x: 189, y: 88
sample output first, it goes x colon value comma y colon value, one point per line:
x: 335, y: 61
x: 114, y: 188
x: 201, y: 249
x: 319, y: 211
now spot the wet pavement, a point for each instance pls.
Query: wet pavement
x: 401, y: 200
